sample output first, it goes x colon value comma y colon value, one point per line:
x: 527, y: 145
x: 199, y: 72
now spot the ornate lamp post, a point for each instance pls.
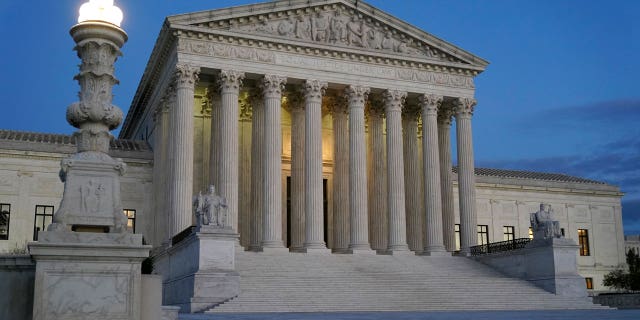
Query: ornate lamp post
x: 91, y: 200
x: 87, y: 264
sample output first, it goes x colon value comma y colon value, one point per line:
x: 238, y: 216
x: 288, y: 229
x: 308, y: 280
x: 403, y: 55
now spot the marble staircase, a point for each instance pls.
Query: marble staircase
x: 296, y: 282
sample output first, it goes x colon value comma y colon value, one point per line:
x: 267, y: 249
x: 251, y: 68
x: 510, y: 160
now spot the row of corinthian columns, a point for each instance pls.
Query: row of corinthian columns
x: 426, y: 202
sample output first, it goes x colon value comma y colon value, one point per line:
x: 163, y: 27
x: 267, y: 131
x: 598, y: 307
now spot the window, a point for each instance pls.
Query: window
x: 562, y: 231
x: 131, y: 219
x: 483, y: 234
x: 530, y: 233
x: 589, y: 283
x: 5, y: 215
x: 457, y: 232
x: 509, y: 233
x: 44, y: 215
x: 583, y: 241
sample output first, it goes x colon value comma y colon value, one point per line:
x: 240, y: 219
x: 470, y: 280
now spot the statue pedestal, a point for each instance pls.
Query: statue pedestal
x: 87, y: 275
x: 198, y: 271
x: 551, y: 264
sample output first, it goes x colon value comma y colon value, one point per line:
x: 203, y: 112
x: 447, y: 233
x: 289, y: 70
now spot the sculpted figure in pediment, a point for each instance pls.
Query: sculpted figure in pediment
x: 320, y: 27
x: 303, y: 28
x: 286, y: 27
x: 340, y: 28
x: 338, y: 32
x: 354, y: 35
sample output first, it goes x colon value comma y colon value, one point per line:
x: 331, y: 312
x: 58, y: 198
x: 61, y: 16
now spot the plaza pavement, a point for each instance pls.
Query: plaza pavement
x: 444, y: 315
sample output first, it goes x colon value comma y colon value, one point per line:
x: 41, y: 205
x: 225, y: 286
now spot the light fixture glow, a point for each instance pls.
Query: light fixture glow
x: 100, y: 10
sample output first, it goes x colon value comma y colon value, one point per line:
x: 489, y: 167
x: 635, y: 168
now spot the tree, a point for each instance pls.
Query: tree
x: 621, y: 279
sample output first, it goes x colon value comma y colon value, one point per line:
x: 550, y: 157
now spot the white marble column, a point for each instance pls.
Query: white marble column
x: 378, y: 176
x: 213, y: 94
x: 341, y: 236
x: 257, y: 168
x: 229, y: 83
x: 394, y: 101
x: 180, y: 177
x: 433, y: 241
x: 272, y: 86
x: 295, y: 104
x: 313, y: 91
x: 466, y: 177
x: 359, y: 224
x: 160, y: 151
x: 446, y: 180
x: 413, y: 174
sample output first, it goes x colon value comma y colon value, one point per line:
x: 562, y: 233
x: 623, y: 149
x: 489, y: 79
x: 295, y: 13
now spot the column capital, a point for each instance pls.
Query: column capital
x: 186, y: 75
x: 336, y: 104
x: 393, y: 100
x: 255, y: 97
x: 445, y: 113
x: 314, y: 90
x: 229, y: 80
x: 411, y: 111
x: 375, y: 107
x: 464, y: 106
x: 431, y: 103
x: 272, y: 85
x: 295, y: 101
x: 356, y: 95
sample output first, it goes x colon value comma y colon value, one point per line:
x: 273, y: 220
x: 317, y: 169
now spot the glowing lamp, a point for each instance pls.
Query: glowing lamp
x: 100, y: 10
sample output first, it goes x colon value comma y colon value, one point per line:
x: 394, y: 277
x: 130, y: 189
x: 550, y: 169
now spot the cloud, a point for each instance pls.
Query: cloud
x: 598, y: 112
x: 631, y: 216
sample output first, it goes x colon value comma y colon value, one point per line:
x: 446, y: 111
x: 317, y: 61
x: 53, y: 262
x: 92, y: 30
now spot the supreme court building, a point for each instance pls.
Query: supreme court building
x: 304, y: 112
x: 326, y: 125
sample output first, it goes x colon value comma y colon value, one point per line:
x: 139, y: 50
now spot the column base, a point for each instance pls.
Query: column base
x: 253, y: 249
x: 434, y: 253
x: 317, y: 251
x: 358, y: 251
x: 271, y: 250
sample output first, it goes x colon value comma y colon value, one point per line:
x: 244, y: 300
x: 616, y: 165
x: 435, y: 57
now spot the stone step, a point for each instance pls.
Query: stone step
x: 325, y: 283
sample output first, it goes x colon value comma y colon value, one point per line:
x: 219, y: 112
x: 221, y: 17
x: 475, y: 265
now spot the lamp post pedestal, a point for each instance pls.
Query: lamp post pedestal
x: 88, y: 265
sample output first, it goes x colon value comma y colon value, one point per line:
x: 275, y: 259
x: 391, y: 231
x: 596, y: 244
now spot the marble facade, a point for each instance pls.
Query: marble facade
x: 353, y: 105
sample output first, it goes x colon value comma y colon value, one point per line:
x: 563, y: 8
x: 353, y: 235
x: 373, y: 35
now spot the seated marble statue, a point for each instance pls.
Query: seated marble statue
x: 543, y: 224
x: 210, y: 209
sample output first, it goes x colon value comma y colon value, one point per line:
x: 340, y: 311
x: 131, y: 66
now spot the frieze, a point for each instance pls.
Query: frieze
x: 215, y: 49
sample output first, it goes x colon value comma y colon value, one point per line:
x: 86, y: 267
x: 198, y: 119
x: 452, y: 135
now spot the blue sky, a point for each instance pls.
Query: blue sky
x: 561, y: 93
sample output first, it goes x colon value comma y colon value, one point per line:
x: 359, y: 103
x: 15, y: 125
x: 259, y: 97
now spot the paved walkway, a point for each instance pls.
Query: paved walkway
x: 454, y: 315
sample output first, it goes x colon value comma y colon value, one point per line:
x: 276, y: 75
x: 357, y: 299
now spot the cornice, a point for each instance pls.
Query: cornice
x: 347, y: 54
x: 235, y: 15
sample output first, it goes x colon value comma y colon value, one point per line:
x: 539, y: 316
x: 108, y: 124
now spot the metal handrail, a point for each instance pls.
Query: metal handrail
x: 501, y: 246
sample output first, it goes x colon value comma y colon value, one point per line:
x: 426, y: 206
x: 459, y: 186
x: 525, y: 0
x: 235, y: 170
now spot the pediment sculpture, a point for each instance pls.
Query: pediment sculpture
x: 543, y: 224
x: 338, y: 27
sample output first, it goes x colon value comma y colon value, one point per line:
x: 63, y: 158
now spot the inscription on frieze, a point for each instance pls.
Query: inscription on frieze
x: 215, y: 49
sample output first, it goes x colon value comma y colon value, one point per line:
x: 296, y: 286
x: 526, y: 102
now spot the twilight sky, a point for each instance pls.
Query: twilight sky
x: 561, y: 93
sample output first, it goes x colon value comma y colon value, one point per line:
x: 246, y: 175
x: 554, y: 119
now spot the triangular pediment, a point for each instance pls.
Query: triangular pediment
x: 339, y: 24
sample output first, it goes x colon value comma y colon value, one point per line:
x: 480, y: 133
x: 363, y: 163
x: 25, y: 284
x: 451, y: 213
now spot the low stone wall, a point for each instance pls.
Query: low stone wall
x: 17, y: 278
x: 620, y: 301
x: 548, y: 263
